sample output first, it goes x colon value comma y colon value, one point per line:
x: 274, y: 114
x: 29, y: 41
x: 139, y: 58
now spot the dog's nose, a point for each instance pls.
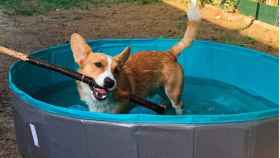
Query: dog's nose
x: 109, y: 83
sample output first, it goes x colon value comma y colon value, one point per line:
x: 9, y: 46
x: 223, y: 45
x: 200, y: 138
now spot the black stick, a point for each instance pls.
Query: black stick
x: 77, y: 76
x: 67, y: 72
x: 148, y: 104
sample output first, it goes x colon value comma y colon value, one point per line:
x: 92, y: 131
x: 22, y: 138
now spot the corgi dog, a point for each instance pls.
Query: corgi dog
x: 141, y: 74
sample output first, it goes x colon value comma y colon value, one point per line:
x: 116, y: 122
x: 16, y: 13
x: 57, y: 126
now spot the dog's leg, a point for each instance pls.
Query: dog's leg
x: 174, y: 97
x: 122, y: 107
x: 173, y: 90
x: 122, y: 101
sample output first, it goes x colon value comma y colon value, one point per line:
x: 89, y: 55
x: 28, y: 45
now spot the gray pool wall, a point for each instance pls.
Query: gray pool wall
x: 60, y: 137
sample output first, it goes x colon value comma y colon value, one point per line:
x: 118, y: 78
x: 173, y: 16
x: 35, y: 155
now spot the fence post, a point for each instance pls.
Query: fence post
x: 277, y: 15
x: 257, y: 10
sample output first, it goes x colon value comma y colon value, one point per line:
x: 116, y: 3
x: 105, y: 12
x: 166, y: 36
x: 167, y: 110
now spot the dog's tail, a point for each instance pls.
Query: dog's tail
x: 192, y: 26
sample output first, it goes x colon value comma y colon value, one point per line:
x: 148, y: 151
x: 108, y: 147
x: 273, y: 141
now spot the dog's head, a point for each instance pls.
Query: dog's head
x: 99, y: 66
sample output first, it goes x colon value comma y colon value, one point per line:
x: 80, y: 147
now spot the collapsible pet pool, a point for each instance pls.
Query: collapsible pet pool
x: 230, y: 97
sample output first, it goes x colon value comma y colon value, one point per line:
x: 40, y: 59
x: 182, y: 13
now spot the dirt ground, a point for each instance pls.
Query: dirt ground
x: 28, y: 33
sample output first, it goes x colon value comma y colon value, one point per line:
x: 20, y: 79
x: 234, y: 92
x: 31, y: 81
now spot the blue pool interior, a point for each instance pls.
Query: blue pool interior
x: 223, y: 83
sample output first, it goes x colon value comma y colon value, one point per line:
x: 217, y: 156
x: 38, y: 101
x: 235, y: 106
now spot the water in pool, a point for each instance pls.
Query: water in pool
x: 200, y: 96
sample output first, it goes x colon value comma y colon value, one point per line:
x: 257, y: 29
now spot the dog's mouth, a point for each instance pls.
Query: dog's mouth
x: 99, y: 93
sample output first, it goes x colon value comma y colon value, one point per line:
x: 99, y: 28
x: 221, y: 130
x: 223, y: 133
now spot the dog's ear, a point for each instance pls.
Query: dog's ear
x: 122, y: 57
x: 79, y: 48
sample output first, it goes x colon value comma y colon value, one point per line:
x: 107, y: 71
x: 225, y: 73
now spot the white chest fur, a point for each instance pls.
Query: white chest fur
x: 93, y: 104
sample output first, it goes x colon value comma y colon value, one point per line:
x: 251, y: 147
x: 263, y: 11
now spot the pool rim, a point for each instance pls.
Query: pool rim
x: 143, y: 118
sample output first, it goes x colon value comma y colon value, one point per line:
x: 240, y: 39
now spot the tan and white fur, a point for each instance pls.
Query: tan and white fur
x: 141, y: 74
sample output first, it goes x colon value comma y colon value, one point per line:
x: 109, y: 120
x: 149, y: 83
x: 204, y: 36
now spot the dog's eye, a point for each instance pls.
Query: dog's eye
x: 98, y: 64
